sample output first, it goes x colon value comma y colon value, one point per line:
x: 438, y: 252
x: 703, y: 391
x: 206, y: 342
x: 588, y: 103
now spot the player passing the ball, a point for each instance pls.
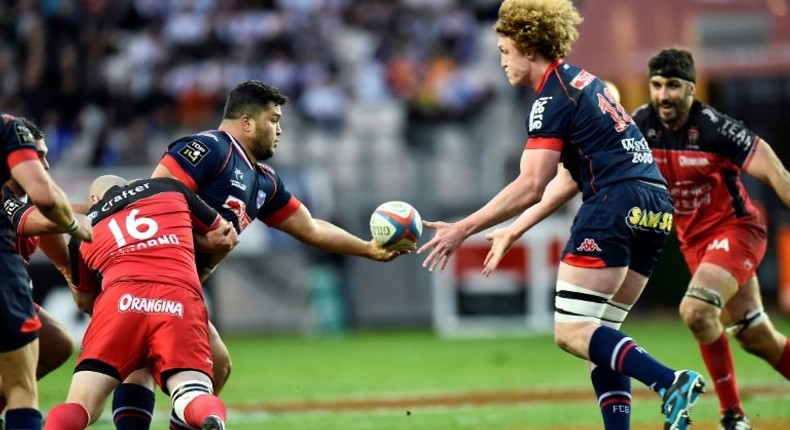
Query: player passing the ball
x: 702, y: 153
x: 620, y: 228
x: 225, y: 168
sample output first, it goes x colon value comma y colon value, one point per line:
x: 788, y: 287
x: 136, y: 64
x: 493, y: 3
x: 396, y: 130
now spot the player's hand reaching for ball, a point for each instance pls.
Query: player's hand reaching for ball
x: 501, y: 241
x: 379, y: 253
x: 447, y: 240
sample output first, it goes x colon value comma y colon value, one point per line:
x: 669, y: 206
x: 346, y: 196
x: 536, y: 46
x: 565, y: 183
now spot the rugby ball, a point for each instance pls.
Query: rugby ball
x: 396, y: 225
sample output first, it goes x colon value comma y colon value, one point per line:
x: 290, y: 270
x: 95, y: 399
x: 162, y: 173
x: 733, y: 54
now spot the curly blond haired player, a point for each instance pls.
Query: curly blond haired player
x: 620, y: 228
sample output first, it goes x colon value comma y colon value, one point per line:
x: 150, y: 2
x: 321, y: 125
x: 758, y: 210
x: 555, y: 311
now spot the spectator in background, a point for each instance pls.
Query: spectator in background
x: 612, y: 249
x: 702, y: 154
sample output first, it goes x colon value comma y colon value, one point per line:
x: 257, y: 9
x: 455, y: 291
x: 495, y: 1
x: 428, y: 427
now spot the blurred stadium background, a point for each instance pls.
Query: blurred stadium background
x: 390, y: 99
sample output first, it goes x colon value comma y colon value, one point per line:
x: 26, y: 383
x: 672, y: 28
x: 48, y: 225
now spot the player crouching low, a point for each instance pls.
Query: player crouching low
x: 149, y: 309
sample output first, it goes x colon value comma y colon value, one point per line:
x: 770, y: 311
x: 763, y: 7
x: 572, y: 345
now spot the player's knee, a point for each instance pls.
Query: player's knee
x: 55, y: 348
x: 753, y: 333
x: 222, y: 367
x: 699, y: 314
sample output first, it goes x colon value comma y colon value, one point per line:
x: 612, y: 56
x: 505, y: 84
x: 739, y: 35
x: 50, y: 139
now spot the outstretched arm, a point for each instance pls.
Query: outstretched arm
x: 559, y: 191
x: 331, y: 238
x: 538, y: 168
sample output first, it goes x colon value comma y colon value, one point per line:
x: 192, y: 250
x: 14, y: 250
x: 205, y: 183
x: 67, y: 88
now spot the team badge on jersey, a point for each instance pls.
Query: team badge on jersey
x: 260, y: 199
x: 194, y: 151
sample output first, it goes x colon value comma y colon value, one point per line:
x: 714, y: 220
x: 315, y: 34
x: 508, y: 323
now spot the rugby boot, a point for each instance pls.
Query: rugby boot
x: 212, y: 423
x: 734, y: 420
x: 679, y: 398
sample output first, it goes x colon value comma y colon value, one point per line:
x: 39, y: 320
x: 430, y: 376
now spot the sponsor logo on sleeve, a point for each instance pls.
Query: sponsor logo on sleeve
x: 536, y: 114
x: 194, y: 152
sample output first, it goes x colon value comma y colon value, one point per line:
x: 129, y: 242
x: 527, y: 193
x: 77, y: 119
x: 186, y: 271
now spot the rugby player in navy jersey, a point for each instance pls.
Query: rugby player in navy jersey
x: 19, y: 347
x: 620, y: 228
x: 33, y: 231
x: 225, y: 167
x: 702, y: 154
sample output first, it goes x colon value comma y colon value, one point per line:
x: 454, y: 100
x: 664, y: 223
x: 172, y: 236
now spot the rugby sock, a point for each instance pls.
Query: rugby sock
x: 132, y: 407
x: 65, y: 416
x: 614, y: 397
x: 29, y: 419
x: 783, y: 366
x: 717, y: 356
x: 176, y: 423
x: 202, y: 407
x: 616, y: 351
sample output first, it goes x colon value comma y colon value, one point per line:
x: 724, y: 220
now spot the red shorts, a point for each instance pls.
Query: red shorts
x: 739, y: 250
x: 162, y: 327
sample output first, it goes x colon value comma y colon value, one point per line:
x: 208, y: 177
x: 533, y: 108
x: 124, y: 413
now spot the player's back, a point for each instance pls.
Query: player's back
x: 602, y: 146
x: 143, y: 232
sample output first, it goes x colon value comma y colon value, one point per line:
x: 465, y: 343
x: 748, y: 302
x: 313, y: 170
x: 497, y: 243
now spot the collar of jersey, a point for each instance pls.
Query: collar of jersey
x: 237, y: 146
x: 551, y: 68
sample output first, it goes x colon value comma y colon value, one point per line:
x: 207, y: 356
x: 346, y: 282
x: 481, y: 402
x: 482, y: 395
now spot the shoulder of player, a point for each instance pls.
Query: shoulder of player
x: 642, y: 113
x: 265, y: 168
x: 707, y: 118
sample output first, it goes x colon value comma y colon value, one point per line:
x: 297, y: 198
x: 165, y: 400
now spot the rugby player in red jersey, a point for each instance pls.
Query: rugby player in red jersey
x: 702, y: 153
x: 139, y: 279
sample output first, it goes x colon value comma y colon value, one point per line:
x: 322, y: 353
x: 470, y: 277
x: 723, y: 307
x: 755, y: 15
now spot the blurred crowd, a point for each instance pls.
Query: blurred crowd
x: 112, y: 81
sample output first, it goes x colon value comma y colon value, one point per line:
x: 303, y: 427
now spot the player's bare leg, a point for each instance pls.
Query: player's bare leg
x: 581, y: 298
x: 221, y: 359
x: 18, y: 372
x: 55, y: 344
x: 85, y: 402
x: 710, y: 289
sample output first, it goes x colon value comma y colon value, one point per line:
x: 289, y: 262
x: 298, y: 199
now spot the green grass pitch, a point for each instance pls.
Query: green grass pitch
x: 416, y: 380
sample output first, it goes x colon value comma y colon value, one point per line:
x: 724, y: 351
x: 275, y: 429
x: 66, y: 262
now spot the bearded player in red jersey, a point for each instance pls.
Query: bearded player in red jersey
x: 702, y: 153
x: 148, y: 300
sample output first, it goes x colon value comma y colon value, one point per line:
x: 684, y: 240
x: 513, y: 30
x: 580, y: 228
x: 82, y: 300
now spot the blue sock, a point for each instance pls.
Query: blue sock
x: 23, y: 419
x: 132, y: 407
x: 614, y: 397
x: 614, y: 350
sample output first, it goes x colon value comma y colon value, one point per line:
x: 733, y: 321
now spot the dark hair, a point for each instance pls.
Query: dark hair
x: 673, y: 63
x: 250, y: 97
x: 34, y: 129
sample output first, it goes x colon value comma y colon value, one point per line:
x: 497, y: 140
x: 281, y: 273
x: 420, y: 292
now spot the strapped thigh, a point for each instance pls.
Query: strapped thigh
x: 576, y: 304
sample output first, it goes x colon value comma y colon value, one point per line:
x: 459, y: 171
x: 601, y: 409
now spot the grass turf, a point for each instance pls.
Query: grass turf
x: 275, y: 373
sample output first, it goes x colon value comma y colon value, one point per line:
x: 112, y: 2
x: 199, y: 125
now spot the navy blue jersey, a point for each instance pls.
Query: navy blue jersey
x: 215, y: 166
x: 576, y: 113
x: 17, y: 144
x: 17, y: 209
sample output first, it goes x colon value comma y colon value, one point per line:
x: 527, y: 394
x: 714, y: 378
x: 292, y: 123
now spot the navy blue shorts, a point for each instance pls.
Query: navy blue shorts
x: 19, y: 322
x: 626, y: 224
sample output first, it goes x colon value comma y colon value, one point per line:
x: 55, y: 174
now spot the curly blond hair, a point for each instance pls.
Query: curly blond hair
x: 547, y: 26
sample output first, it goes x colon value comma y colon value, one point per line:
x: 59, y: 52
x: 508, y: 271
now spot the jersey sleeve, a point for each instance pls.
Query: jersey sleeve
x: 83, y: 279
x: 277, y: 207
x: 17, y: 210
x: 18, y: 143
x: 736, y: 142
x: 195, y: 160
x: 548, y: 122
x: 204, y: 217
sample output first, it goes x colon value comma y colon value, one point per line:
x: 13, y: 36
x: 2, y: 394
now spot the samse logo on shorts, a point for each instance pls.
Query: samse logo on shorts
x: 144, y: 305
x: 648, y: 220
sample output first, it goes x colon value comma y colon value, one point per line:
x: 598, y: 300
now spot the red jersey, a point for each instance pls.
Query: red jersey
x: 702, y: 162
x: 142, y: 232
